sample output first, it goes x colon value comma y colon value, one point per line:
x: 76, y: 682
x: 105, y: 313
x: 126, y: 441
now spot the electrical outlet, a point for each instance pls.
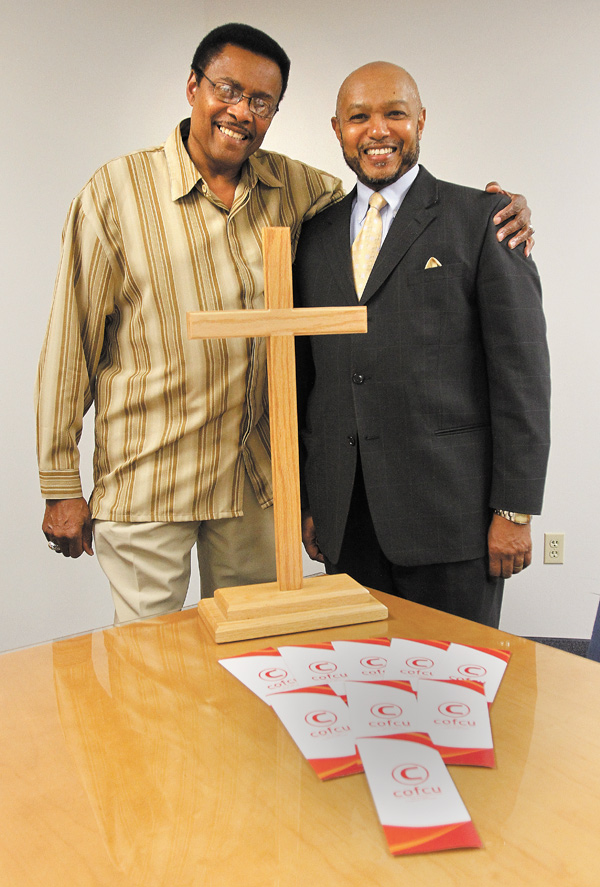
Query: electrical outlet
x: 554, y: 548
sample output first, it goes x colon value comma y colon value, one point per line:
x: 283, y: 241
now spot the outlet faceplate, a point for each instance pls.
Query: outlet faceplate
x: 554, y: 548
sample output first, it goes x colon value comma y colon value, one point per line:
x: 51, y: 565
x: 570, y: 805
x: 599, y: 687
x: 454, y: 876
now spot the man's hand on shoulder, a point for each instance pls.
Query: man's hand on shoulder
x: 67, y: 525
x: 509, y: 547
x: 518, y: 217
x: 309, y: 538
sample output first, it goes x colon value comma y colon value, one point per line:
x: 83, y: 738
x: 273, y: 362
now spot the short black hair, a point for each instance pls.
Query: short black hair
x: 245, y: 37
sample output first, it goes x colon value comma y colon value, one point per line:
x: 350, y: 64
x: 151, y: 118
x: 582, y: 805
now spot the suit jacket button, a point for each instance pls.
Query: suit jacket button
x: 358, y: 379
x: 351, y: 440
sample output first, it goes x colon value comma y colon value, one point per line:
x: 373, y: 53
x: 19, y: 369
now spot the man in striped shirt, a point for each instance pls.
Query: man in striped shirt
x: 181, y: 428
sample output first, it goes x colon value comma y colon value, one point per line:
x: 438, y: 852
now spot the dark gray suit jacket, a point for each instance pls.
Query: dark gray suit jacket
x: 447, y: 395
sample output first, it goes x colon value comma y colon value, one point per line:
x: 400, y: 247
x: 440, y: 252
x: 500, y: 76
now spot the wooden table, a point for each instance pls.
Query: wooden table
x: 130, y: 757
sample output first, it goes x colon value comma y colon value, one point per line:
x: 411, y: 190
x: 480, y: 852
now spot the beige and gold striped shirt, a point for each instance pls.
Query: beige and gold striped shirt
x: 176, y: 421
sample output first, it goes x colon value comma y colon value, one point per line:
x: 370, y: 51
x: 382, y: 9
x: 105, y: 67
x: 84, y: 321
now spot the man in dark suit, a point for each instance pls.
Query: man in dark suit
x: 425, y: 441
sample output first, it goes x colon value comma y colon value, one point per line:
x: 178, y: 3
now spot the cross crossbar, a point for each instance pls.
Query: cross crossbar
x: 276, y: 322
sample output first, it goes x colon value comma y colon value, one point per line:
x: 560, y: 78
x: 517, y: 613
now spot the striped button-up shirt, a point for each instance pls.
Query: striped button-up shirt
x: 177, y: 421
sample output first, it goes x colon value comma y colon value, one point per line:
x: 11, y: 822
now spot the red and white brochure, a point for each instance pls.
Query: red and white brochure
x: 364, y: 660
x: 318, y: 721
x: 466, y: 663
x: 456, y: 716
x: 417, y: 803
x: 410, y: 660
x: 382, y: 708
x: 262, y: 671
x: 315, y: 664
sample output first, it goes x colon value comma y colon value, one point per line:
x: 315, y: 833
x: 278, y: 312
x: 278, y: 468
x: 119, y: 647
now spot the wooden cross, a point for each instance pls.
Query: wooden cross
x: 292, y: 603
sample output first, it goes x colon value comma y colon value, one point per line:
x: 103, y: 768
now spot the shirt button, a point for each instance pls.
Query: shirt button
x: 351, y: 440
x: 358, y: 379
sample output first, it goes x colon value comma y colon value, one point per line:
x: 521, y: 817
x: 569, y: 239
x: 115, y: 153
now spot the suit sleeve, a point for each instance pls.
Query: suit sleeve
x: 514, y: 336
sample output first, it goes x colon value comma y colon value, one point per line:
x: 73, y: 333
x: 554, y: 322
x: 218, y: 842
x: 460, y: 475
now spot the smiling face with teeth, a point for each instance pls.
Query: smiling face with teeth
x: 223, y: 136
x: 379, y: 122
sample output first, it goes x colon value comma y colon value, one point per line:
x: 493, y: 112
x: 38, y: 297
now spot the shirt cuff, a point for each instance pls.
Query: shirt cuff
x: 60, y: 485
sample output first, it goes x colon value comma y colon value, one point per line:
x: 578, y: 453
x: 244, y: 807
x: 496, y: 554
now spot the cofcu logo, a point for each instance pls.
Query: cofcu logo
x: 386, y: 710
x: 373, y: 664
x: 321, y: 718
x: 325, y: 670
x: 410, y: 774
x: 454, y: 714
x: 323, y: 667
x: 472, y: 672
x: 275, y: 677
x: 419, y: 662
x: 419, y: 665
x: 413, y: 779
x: 273, y: 674
x: 387, y: 714
x: 324, y: 722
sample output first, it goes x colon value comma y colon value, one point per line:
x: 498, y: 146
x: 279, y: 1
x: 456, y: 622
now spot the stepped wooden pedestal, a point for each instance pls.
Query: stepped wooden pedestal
x: 255, y: 611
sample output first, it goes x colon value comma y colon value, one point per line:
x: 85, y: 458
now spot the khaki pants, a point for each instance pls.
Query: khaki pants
x: 148, y: 565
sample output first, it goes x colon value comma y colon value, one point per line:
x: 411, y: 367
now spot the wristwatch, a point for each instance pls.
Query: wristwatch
x: 514, y: 516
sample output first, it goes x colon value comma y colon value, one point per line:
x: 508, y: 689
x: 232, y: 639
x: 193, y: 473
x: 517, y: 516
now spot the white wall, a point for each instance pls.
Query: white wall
x: 511, y: 92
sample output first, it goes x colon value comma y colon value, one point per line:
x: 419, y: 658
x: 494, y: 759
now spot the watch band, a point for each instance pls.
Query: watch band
x: 516, y: 517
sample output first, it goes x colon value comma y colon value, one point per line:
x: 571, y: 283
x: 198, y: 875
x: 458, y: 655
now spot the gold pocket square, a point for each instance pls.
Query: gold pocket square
x: 432, y: 263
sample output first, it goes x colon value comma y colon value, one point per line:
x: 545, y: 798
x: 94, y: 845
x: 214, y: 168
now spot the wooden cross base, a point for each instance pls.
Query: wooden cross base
x: 258, y: 611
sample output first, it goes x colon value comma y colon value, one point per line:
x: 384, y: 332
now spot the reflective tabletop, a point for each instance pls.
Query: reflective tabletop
x: 131, y: 757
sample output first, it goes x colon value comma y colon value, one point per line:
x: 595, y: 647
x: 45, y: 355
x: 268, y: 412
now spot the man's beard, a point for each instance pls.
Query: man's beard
x: 409, y: 158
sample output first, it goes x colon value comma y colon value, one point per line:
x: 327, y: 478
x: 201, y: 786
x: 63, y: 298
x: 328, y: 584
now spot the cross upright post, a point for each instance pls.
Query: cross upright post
x: 292, y: 603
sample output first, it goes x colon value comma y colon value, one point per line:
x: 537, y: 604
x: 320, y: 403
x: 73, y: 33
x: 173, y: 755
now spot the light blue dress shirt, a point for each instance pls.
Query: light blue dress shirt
x: 394, y: 195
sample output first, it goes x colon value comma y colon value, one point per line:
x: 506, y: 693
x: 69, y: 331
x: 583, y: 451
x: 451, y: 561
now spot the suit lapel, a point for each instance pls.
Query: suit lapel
x: 419, y: 208
x: 336, y: 244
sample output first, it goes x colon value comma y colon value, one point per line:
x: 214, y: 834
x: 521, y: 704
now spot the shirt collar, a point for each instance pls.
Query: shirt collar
x: 394, y: 194
x: 184, y: 176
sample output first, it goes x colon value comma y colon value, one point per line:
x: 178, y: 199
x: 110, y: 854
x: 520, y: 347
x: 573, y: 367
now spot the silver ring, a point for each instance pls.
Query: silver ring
x: 53, y: 546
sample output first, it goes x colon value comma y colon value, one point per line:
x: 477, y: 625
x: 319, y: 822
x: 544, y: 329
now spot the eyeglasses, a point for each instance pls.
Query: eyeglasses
x: 227, y: 93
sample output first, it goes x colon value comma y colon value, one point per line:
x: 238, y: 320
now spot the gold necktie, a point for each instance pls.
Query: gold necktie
x: 367, y: 244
